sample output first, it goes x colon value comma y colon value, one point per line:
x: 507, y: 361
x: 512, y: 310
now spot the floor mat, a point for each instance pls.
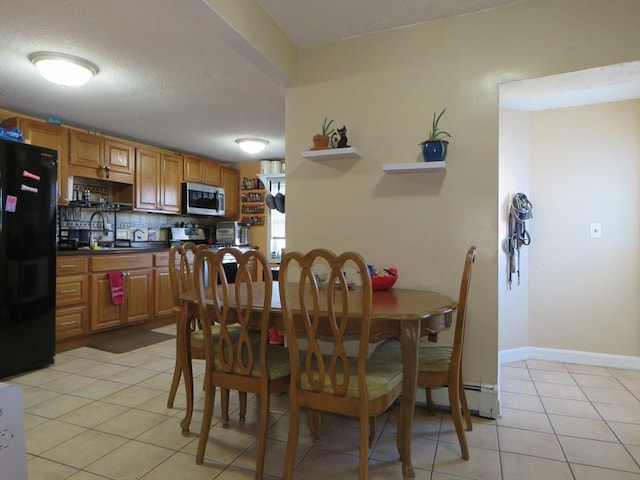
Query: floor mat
x: 127, y: 342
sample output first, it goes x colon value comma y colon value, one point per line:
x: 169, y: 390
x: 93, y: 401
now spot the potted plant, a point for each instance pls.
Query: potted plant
x: 321, y: 140
x: 434, y: 149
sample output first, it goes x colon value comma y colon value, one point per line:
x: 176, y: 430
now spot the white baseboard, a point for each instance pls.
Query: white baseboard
x: 481, y: 398
x: 569, y: 356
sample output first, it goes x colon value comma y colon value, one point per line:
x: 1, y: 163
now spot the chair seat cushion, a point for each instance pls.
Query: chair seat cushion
x: 432, y: 357
x: 277, y: 357
x: 382, y: 377
x: 197, y: 336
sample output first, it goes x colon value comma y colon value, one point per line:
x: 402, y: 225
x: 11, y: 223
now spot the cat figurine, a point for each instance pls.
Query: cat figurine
x: 342, y: 142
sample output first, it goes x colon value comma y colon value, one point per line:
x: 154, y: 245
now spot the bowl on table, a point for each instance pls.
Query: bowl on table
x: 385, y: 282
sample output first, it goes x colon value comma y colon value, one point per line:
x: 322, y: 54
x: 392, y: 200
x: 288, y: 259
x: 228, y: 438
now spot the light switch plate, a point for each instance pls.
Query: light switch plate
x: 595, y: 230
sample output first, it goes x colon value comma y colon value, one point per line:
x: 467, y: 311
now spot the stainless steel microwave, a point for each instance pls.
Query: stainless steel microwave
x: 198, y: 199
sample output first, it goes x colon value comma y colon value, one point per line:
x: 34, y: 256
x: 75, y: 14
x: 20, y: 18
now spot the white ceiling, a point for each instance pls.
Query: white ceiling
x: 172, y: 73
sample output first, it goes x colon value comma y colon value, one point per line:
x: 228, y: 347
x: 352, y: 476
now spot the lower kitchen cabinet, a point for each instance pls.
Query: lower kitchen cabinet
x: 163, y: 295
x: 138, y: 291
x: 72, y: 297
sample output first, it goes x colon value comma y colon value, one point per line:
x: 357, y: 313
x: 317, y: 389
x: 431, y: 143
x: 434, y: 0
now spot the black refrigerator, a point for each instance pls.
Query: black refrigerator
x: 27, y: 257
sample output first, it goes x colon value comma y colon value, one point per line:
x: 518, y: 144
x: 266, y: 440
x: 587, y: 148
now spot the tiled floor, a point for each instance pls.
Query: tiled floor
x: 95, y: 415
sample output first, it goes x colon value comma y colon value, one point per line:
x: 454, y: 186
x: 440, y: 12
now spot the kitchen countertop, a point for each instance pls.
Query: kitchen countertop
x: 112, y: 251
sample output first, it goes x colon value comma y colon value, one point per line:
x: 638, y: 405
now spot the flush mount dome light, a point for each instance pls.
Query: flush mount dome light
x: 252, y: 145
x: 63, y: 69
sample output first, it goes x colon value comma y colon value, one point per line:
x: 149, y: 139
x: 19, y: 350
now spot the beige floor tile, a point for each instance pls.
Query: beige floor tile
x: 32, y: 396
x: 166, y: 434
x: 514, y: 373
x: 58, y: 406
x: 68, y: 384
x: 31, y: 421
x: 133, y: 359
x: 92, y: 414
x: 517, y: 364
x: 524, y: 467
x: 483, y: 435
x: 624, y: 373
x: 587, y: 369
x: 38, y: 377
x: 619, y: 413
x: 546, y: 365
x: 538, y: 422
x: 512, y: 385
x: 423, y: 451
x: 130, y: 423
x: 274, y: 457
x: 632, y: 384
x: 132, y: 375
x: 526, y: 442
x: 82, y: 475
x: 159, y: 364
x: 104, y: 370
x: 159, y: 381
x: 571, y: 408
x: 628, y: 433
x: 322, y: 464
x: 563, y: 378
x: 586, y: 472
x: 521, y: 402
x: 223, y: 445
x: 634, y: 450
x: 555, y: 390
x: 84, y: 449
x: 425, y: 424
x: 482, y: 464
x: 158, y: 404
x: 75, y: 365
x: 131, y: 460
x: 43, y: 469
x: 598, y: 381
x: 606, y: 395
x: 280, y: 431
x: 598, y: 454
x: 49, y: 434
x: 180, y: 465
x: 234, y: 473
x: 132, y: 396
x: 582, y: 427
x: 100, y: 389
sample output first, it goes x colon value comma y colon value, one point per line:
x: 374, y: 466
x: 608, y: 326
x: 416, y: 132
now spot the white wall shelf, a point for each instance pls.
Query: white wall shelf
x: 332, y: 154
x: 415, y: 167
x: 265, y: 178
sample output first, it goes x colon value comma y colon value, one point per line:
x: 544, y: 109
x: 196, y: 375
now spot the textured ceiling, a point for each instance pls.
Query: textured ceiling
x: 172, y: 73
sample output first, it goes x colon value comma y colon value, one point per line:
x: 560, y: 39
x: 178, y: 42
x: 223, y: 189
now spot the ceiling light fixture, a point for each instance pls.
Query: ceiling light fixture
x: 252, y: 145
x: 63, y: 69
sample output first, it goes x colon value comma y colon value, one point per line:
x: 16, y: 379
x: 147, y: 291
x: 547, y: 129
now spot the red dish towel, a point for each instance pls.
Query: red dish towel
x: 116, y: 283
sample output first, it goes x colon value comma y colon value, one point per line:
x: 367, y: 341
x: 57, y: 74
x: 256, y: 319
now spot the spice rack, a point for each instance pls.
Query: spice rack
x: 252, y: 200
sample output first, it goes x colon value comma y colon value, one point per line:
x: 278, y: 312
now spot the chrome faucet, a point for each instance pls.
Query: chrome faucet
x: 104, y: 226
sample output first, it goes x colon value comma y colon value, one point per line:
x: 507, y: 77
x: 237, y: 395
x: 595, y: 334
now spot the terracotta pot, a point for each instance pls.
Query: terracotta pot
x: 320, y: 142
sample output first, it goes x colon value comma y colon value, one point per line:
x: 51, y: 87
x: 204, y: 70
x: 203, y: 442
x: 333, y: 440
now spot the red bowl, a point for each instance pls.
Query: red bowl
x: 383, y: 283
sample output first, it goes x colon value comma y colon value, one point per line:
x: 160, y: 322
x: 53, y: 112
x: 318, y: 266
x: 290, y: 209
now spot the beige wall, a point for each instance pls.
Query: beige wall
x: 385, y: 88
x: 513, y: 302
x: 585, y: 167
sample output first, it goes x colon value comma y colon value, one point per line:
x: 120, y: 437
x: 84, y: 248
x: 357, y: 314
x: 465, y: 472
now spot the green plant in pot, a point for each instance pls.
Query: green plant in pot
x: 321, y: 140
x: 434, y: 148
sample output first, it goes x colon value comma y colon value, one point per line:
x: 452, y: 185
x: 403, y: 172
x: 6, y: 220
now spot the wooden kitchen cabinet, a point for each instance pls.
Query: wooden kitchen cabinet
x: 162, y: 292
x: 92, y: 153
x: 158, y: 181
x: 230, y: 181
x: 199, y: 170
x: 72, y: 296
x: 138, y: 290
x: 50, y: 136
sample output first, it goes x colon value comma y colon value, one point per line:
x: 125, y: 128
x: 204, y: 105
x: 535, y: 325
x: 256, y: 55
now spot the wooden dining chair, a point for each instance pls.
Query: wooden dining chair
x: 249, y: 365
x: 335, y: 313
x: 181, y: 276
x: 441, y: 365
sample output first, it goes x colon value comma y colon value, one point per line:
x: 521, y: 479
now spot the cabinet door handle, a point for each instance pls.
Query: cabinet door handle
x: 68, y: 291
x: 67, y: 266
x: 72, y: 322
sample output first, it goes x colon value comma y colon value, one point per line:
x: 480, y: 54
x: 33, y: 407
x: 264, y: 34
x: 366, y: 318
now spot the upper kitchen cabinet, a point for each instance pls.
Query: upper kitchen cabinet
x: 50, y: 136
x: 198, y: 170
x: 230, y: 181
x: 96, y: 156
x: 158, y: 180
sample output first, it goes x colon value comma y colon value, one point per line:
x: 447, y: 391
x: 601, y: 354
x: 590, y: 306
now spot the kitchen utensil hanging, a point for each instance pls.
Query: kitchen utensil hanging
x: 271, y: 200
x: 279, y: 200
